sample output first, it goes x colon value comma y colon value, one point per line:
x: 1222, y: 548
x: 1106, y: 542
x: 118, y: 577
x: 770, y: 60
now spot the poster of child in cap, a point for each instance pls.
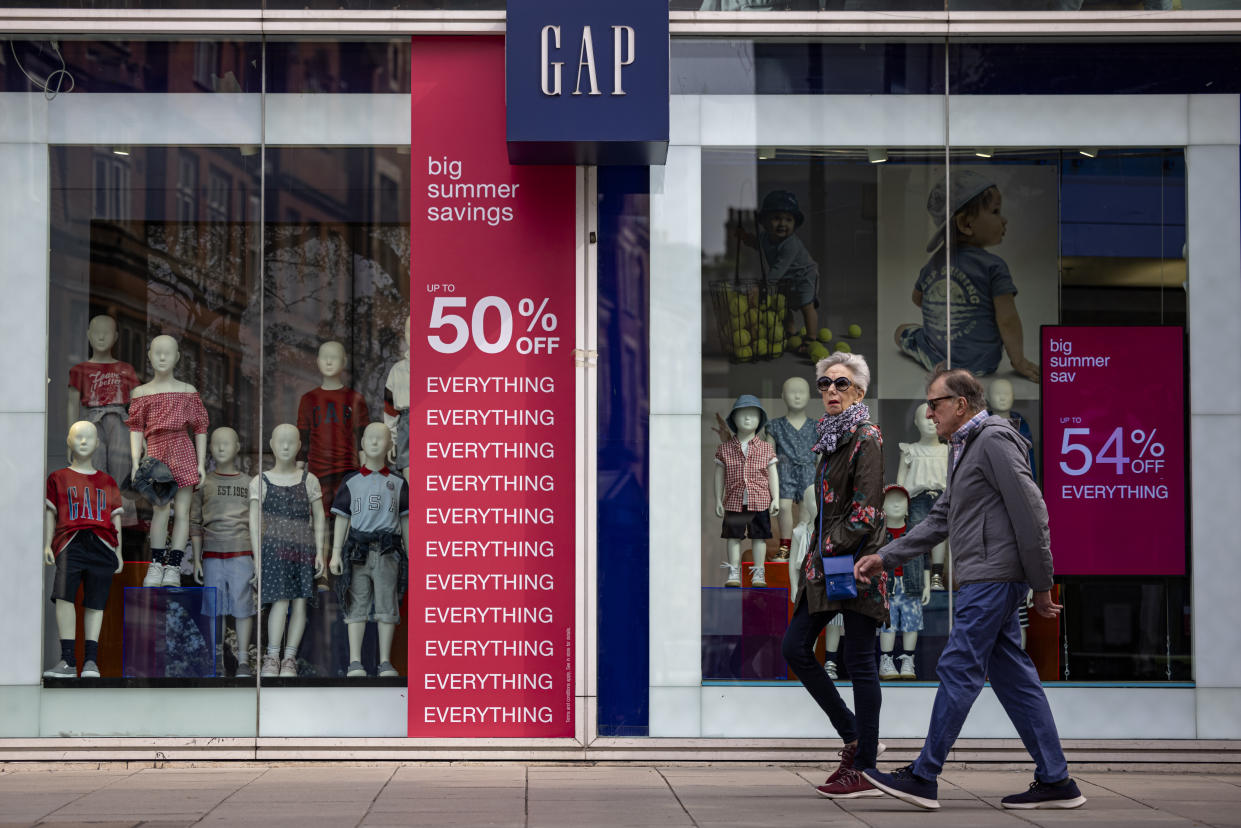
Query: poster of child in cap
x: 1005, y: 243
x: 788, y: 263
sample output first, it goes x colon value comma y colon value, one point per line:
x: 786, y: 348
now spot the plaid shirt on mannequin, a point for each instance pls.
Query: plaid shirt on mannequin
x: 745, y: 474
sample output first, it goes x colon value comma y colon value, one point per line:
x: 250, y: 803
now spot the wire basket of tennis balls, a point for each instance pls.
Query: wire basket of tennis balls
x: 749, y: 319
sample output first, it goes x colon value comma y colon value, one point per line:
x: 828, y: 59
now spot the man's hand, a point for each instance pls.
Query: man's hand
x: 1044, y: 606
x: 49, y: 557
x: 926, y: 594
x: 775, y: 507
x: 334, y: 565
x: 198, y: 570
x: 867, y: 566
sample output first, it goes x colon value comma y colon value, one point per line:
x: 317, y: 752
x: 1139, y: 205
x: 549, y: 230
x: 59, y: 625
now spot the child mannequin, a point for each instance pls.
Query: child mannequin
x: 923, y: 472
x: 793, y: 436
x: 330, y: 420
x: 220, y: 534
x: 1000, y: 400
x: 81, y: 538
x: 369, y: 544
x: 99, y: 392
x: 911, y: 591
x: 286, y: 525
x: 396, y: 408
x: 745, y: 478
x: 159, y: 414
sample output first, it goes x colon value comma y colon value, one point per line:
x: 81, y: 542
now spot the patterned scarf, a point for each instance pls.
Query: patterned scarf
x: 831, y: 429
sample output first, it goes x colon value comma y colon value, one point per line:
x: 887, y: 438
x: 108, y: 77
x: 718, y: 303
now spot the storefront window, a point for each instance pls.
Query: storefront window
x: 789, y: 235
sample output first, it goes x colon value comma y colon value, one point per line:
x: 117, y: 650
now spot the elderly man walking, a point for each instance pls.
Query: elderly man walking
x: 995, y: 521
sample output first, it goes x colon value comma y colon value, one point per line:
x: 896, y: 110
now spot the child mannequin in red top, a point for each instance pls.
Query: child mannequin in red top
x: 161, y: 414
x: 331, y: 419
x: 99, y: 392
x: 81, y: 536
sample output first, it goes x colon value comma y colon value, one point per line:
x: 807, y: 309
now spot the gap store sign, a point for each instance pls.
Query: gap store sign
x: 586, y: 81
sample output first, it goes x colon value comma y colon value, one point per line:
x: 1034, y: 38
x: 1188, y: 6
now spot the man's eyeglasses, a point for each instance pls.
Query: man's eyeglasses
x: 934, y: 401
x: 842, y: 383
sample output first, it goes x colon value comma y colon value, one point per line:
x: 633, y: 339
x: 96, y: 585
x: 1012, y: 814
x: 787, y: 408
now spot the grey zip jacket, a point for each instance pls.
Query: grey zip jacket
x: 992, y: 514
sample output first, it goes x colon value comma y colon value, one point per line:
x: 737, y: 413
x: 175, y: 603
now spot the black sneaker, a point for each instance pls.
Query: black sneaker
x: 906, y: 786
x: 1046, y: 795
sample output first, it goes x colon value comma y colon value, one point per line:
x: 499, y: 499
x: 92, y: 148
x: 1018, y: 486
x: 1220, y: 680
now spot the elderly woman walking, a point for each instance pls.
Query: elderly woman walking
x: 847, y: 522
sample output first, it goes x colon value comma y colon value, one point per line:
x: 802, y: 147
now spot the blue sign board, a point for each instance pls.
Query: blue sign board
x: 587, y: 81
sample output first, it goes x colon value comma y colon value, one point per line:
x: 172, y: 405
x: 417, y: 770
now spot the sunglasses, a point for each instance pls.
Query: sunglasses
x: 842, y: 383
x: 934, y: 401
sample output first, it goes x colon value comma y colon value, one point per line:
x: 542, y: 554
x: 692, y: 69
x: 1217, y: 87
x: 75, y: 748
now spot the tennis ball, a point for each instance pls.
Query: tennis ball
x: 781, y: 302
x: 751, y: 317
x: 744, y: 352
x: 773, y: 319
x: 794, y: 342
x: 741, y: 338
x: 825, y: 335
x: 855, y: 331
x: 801, y: 331
x: 776, y: 349
x: 762, y: 348
x: 816, y: 351
x: 843, y: 347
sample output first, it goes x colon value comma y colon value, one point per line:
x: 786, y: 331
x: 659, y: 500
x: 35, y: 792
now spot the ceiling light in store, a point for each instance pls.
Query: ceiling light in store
x: 120, y: 149
x: 766, y: 153
x: 877, y: 155
x: 985, y: 152
x: 1089, y: 152
x: 249, y: 149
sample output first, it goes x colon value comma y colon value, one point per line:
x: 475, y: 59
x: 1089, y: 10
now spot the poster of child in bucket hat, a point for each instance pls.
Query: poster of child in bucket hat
x: 1002, y: 251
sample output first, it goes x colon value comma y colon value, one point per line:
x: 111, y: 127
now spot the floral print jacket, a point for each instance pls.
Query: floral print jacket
x: 849, y: 489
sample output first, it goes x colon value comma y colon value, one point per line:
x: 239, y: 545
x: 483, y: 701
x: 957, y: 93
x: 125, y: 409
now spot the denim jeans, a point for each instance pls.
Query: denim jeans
x: 985, y: 642
x: 859, y: 659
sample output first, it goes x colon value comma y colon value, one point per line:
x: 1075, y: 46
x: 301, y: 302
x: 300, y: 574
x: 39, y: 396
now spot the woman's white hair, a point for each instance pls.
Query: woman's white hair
x: 856, y: 363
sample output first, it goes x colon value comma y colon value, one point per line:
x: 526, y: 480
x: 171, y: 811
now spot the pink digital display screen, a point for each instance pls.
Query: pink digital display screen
x: 1114, y: 448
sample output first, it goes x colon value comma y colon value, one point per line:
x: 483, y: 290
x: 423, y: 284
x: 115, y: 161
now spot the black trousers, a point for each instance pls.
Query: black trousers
x: 859, y: 659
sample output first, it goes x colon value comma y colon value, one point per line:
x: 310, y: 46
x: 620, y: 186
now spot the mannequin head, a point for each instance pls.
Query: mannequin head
x: 83, y: 439
x: 925, y: 426
x: 796, y: 394
x: 1000, y: 395
x: 101, y: 333
x: 285, y: 442
x: 164, y: 353
x: 376, y: 440
x: 746, y: 420
x: 331, y: 359
x: 895, y: 505
x: 224, y: 446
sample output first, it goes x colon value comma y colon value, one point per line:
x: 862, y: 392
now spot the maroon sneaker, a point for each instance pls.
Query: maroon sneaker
x: 848, y: 784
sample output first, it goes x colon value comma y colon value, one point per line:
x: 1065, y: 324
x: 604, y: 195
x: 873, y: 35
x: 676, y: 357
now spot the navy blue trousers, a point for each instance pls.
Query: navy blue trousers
x: 985, y: 642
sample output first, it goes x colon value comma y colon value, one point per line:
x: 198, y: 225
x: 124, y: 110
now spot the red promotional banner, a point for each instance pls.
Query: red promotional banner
x: 492, y: 430
x: 1114, y: 448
